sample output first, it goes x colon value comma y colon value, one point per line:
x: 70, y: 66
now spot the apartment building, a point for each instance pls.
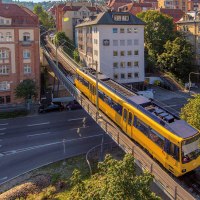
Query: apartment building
x: 115, y: 40
x: 189, y: 25
x: 174, y: 4
x: 19, y: 49
x: 72, y: 13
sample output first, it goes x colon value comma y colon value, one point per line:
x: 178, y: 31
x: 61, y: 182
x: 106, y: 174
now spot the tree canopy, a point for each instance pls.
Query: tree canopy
x: 114, y: 180
x: 191, y: 112
x: 60, y: 39
x: 158, y: 30
x: 177, y: 57
x: 45, y: 19
x: 26, y: 89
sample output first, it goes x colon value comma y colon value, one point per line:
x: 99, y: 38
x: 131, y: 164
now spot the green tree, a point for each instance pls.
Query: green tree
x: 116, y: 180
x: 177, y: 58
x: 158, y: 30
x: 61, y: 39
x: 45, y: 19
x: 26, y: 89
x: 191, y: 112
x: 76, y: 56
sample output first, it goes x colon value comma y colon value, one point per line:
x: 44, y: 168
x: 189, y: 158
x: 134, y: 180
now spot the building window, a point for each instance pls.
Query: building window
x: 114, y: 30
x: 136, y: 52
x: 135, y: 30
x: 115, y: 76
x: 129, y: 30
x: 198, y: 28
x: 122, y: 76
x: 129, y: 42
x: 136, y: 74
x: 75, y: 13
x: 122, y: 53
x: 115, y: 42
x: 129, y: 64
x: 27, y: 69
x: 129, y: 75
x: 1, y: 21
x: 8, y: 99
x: 122, y: 30
x: 95, y: 52
x: 136, y: 64
x: 4, y: 54
x: 5, y: 85
x: 8, y: 37
x: 136, y: 42
x: 115, y: 53
x: 129, y: 53
x: 122, y: 42
x: 115, y: 64
x: 26, y: 36
x: 26, y: 54
x: 95, y: 41
x: 1, y: 36
x: 1, y: 100
x: 122, y: 64
x: 4, y: 70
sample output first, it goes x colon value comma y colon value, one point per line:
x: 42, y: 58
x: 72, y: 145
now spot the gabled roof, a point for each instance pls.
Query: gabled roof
x: 176, y: 14
x: 106, y: 18
x: 77, y: 8
x: 20, y: 16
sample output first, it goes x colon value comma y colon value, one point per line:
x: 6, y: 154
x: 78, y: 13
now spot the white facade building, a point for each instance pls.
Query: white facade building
x: 115, y: 41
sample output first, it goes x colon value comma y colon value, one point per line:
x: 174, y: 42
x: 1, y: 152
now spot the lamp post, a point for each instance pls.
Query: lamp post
x: 190, y: 79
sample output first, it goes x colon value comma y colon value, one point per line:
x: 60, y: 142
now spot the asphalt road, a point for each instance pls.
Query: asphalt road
x: 29, y: 142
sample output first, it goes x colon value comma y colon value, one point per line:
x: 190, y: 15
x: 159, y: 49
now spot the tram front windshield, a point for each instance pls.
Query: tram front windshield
x: 190, y: 149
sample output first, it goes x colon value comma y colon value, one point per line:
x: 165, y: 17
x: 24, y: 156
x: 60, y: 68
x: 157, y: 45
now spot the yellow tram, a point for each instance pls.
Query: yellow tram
x: 175, y: 145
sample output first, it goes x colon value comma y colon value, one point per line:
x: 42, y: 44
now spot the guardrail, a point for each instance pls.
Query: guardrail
x: 163, y: 180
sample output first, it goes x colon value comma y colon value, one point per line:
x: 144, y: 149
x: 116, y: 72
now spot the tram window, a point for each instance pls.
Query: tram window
x: 101, y: 95
x: 174, y: 151
x: 157, y: 138
x: 125, y: 115
x: 117, y: 107
x: 130, y: 117
x: 141, y: 126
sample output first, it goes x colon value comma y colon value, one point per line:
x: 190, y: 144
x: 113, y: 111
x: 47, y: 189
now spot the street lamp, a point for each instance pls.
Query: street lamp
x: 190, y: 79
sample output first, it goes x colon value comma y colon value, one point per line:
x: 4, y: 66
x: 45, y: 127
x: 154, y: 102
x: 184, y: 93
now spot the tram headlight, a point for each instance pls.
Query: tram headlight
x: 183, y: 170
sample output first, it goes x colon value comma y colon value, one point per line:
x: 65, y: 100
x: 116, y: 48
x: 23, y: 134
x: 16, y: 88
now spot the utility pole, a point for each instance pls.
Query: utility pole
x: 97, y: 82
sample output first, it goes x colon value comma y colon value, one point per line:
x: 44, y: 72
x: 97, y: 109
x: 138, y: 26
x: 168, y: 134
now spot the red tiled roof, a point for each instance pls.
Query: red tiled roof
x: 176, y: 14
x: 76, y: 8
x: 134, y: 5
x: 118, y: 3
x: 20, y: 16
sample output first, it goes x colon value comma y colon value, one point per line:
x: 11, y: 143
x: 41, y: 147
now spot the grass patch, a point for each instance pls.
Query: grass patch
x: 13, y: 114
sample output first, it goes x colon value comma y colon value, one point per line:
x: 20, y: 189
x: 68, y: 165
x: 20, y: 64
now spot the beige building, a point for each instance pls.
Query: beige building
x: 70, y: 14
x: 190, y: 26
x: 174, y: 4
x: 19, y: 49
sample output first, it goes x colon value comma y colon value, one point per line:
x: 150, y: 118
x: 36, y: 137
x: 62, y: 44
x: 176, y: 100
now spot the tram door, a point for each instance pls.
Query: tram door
x: 92, y: 95
x: 129, y: 124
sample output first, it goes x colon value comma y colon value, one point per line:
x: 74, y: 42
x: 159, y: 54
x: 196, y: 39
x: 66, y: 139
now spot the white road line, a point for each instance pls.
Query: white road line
x: 38, y: 124
x: 79, y: 127
x: 1, y: 129
x: 1, y: 155
x: 4, y: 124
x: 7, y: 153
x: 4, y: 178
x: 74, y: 119
x: 38, y: 134
x: 169, y: 106
x: 2, y: 133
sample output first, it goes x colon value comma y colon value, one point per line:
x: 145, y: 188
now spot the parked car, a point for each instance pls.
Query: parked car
x: 49, y: 108
x: 73, y: 105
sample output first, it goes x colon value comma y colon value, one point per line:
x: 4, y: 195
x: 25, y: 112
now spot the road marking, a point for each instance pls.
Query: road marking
x: 7, y: 153
x: 1, y: 129
x: 79, y: 127
x: 169, y: 106
x: 4, y: 124
x: 38, y: 134
x: 4, y: 178
x: 2, y: 133
x: 74, y: 119
x: 38, y: 124
x: 1, y: 155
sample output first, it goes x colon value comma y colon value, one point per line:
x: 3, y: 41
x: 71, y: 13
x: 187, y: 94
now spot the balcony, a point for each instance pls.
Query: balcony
x: 26, y: 42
